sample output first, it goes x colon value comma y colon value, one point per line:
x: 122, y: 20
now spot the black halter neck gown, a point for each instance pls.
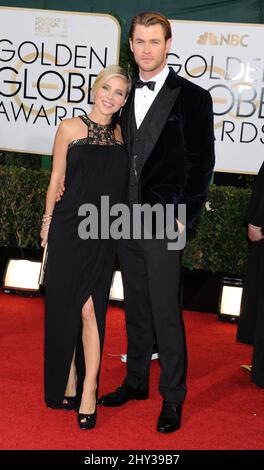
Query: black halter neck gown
x: 77, y: 269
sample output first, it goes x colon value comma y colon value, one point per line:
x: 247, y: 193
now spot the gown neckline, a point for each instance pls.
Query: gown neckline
x: 86, y: 118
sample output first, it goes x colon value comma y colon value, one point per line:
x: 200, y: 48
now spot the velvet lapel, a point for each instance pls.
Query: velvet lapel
x: 157, y: 115
x: 126, y: 117
x: 155, y: 118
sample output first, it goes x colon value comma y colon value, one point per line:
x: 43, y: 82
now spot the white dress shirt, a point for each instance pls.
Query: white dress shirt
x: 144, y: 97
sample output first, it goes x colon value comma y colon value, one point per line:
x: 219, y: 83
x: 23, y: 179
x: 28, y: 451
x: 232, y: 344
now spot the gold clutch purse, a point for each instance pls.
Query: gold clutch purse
x: 43, y: 266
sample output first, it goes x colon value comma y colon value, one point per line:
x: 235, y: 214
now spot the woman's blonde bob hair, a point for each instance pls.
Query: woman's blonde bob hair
x: 108, y: 73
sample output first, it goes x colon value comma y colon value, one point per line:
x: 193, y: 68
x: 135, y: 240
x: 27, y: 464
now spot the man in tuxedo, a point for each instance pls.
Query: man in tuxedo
x: 167, y: 125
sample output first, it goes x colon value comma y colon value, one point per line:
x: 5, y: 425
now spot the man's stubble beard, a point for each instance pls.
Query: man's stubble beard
x: 161, y: 65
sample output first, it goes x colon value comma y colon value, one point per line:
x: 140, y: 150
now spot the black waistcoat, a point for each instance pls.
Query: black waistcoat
x: 134, y: 144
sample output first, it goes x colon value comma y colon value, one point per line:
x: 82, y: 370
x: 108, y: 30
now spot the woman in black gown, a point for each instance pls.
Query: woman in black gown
x: 251, y: 320
x: 90, y: 156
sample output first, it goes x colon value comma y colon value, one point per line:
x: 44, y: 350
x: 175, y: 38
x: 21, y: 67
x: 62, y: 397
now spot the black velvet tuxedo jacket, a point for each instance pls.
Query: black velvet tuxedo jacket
x: 176, y: 138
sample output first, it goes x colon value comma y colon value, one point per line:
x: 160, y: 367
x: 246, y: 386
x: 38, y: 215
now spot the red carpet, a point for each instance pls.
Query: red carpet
x: 223, y: 409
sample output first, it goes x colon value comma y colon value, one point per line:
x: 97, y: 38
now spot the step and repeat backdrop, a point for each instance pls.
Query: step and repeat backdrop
x: 50, y: 59
x: 227, y: 60
x: 48, y: 63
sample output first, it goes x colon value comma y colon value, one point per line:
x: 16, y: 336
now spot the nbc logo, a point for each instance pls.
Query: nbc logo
x: 211, y: 39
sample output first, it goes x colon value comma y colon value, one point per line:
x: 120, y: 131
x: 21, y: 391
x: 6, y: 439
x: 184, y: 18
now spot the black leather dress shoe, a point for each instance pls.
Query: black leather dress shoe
x: 122, y: 395
x: 170, y: 417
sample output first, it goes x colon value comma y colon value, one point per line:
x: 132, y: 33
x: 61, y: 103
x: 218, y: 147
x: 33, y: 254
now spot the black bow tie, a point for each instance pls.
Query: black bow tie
x: 150, y: 85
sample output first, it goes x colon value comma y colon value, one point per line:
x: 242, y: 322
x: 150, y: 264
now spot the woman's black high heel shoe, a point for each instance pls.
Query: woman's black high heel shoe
x: 87, y: 421
x: 71, y: 403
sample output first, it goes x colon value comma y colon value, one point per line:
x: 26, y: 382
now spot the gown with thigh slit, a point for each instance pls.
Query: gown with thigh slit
x: 78, y: 268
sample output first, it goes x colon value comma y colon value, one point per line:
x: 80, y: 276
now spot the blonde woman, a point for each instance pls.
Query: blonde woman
x: 90, y: 156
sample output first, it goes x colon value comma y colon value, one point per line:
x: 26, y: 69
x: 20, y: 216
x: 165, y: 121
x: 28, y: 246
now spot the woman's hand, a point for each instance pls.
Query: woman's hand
x: 46, y: 219
x: 44, y: 236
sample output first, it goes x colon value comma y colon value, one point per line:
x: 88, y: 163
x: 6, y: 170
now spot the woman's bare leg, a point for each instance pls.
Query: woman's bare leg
x: 91, y: 347
x: 72, y: 381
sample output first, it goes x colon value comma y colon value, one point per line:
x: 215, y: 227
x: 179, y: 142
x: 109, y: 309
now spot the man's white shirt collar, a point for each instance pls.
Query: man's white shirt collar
x: 145, y: 97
